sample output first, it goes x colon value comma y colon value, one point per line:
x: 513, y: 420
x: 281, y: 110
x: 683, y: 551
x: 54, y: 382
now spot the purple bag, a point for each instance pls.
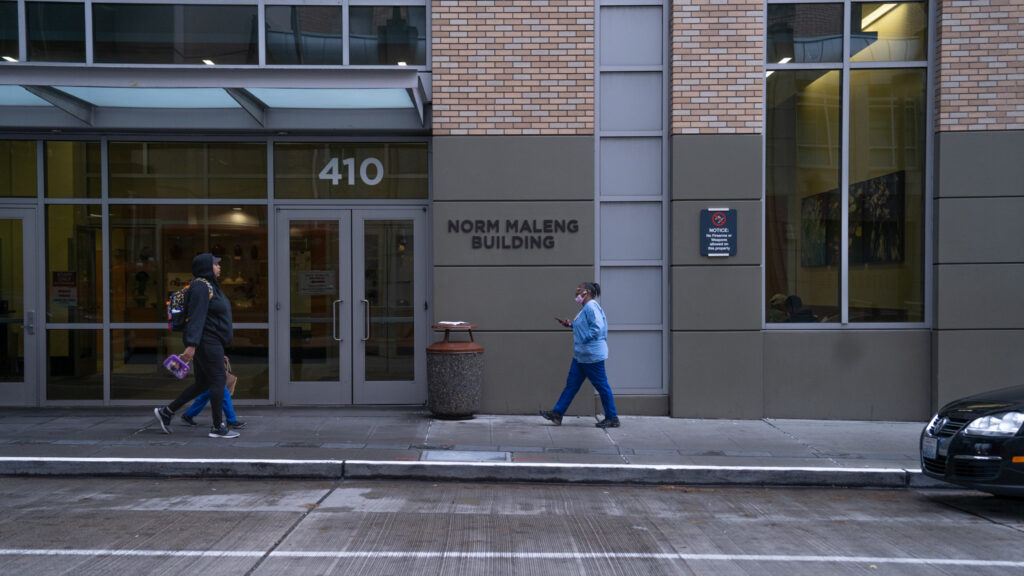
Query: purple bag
x: 177, y: 366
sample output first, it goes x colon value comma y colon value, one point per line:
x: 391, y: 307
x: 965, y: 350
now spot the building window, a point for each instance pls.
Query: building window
x: 175, y: 34
x: 9, y: 32
x: 845, y: 201
x: 307, y: 35
x: 388, y: 35
x: 56, y: 31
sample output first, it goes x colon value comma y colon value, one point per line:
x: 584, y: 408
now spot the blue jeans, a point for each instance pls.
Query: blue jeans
x: 578, y: 372
x: 201, y: 401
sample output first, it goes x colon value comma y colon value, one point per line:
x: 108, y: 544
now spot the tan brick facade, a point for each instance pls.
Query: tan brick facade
x: 980, y: 72
x: 513, y: 67
x: 717, y: 66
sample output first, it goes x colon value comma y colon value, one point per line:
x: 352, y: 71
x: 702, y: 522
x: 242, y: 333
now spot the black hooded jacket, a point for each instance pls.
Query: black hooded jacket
x: 210, y: 316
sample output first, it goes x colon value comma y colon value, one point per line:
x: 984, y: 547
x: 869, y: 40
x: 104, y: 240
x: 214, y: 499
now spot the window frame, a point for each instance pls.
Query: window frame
x: 845, y: 66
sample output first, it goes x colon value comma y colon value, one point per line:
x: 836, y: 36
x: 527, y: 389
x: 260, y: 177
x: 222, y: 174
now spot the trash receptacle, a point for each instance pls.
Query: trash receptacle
x: 455, y: 371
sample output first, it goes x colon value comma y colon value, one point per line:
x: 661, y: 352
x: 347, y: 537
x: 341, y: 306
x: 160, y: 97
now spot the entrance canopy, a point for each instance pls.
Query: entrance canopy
x: 289, y: 100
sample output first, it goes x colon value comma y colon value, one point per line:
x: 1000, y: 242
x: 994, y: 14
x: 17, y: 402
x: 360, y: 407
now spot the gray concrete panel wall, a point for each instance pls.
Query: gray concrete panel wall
x: 686, y: 233
x: 979, y: 164
x: 716, y: 167
x: 848, y: 375
x: 484, y: 168
x: 980, y: 230
x: 979, y: 296
x: 508, y: 298
x: 716, y: 298
x: 717, y: 375
x: 513, y: 233
x: 973, y: 361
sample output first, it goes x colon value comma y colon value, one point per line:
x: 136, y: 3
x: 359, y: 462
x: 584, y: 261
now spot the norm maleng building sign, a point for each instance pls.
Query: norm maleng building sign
x: 511, y: 234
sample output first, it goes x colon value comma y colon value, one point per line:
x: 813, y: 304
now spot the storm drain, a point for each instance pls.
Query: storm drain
x: 464, y: 456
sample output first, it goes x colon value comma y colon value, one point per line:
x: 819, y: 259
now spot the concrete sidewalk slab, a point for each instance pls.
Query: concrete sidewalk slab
x: 341, y: 443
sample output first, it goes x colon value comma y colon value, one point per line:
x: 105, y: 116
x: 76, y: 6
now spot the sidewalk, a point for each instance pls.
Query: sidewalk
x: 409, y: 444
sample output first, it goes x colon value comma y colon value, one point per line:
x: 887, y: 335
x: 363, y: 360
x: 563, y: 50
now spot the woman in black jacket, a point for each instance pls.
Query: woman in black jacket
x: 207, y: 333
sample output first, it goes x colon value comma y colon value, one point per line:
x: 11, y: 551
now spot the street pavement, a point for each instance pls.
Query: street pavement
x: 408, y: 443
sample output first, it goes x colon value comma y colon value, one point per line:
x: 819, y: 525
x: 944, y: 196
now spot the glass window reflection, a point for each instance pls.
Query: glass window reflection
x: 187, y: 170
x: 388, y: 35
x: 8, y: 30
x: 310, y: 35
x: 175, y: 34
x: 889, y: 31
x: 804, y: 33
x: 802, y: 206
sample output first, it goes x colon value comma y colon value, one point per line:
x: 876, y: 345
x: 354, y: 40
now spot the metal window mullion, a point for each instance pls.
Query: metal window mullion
x: 929, y: 183
x: 89, y: 52
x: 261, y: 35
x: 844, y: 178
x: 22, y: 31
x: 346, y: 48
x: 106, y: 333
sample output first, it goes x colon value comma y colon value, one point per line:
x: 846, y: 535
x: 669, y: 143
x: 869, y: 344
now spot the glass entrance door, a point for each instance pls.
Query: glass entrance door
x: 351, y: 307
x: 19, y: 334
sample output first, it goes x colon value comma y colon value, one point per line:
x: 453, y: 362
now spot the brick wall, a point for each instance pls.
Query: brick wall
x: 513, y: 67
x: 717, y: 66
x: 980, y: 73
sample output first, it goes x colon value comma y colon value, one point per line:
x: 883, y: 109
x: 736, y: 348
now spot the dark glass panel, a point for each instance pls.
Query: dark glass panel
x: 387, y: 35
x: 74, y: 363
x: 8, y: 30
x: 175, y: 34
x: 309, y: 35
x: 804, y: 33
x: 56, y: 31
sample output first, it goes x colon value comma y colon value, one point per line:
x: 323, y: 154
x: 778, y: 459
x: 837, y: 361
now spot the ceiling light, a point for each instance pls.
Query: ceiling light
x: 785, y: 60
x: 208, y: 62
x: 402, y: 64
x: 9, y: 59
x: 769, y: 73
x: 876, y: 14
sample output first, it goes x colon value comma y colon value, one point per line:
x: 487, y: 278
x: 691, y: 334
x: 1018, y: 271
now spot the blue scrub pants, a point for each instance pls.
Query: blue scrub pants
x: 201, y: 401
x: 578, y: 372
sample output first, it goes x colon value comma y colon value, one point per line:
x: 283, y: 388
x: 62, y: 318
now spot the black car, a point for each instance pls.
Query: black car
x: 977, y: 442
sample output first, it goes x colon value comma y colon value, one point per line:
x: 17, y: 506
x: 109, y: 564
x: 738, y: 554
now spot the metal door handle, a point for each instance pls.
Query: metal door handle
x: 336, y: 330
x: 366, y: 319
x: 30, y: 322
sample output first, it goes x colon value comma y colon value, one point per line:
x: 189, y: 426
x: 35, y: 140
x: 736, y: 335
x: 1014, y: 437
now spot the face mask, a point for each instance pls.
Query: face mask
x: 579, y: 299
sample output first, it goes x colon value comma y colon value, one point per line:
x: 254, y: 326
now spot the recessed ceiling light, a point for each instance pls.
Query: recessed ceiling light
x: 402, y: 64
x: 208, y: 62
x: 9, y: 59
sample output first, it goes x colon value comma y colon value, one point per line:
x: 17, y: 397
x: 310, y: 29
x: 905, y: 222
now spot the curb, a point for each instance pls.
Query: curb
x: 893, y: 478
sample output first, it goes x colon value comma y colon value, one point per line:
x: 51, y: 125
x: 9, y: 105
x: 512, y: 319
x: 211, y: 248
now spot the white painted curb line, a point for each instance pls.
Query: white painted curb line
x: 470, y: 472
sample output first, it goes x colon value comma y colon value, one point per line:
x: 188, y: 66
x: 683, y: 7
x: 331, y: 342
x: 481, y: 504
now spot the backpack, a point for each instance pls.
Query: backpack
x: 177, y: 306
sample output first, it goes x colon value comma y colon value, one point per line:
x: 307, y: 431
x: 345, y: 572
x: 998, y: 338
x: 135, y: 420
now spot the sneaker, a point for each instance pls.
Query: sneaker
x: 163, y: 417
x: 608, y: 423
x: 223, y: 432
x: 188, y: 420
x: 552, y: 416
x: 237, y: 425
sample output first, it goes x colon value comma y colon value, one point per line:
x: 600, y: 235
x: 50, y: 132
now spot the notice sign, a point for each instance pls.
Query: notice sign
x: 717, y: 232
x: 64, y: 289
